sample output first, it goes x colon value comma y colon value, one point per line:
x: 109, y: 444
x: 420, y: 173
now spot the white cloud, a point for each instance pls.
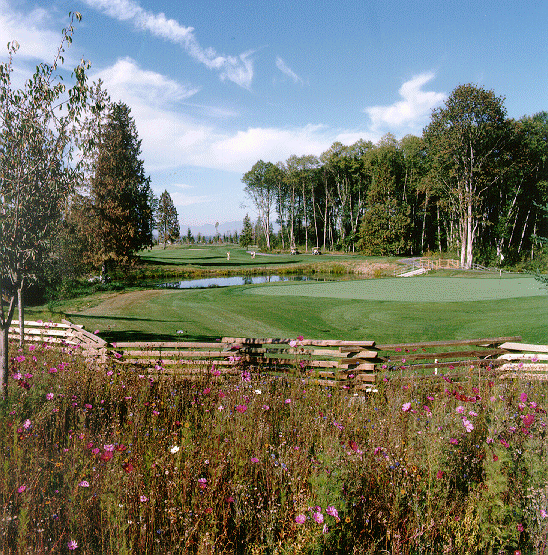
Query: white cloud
x: 238, y: 69
x: 125, y: 79
x: 171, y: 138
x: 31, y: 31
x: 281, y: 65
x: 412, y: 111
x: 181, y: 200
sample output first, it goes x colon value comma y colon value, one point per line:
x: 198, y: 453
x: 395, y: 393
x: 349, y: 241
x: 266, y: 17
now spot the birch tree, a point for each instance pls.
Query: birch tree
x: 466, y: 140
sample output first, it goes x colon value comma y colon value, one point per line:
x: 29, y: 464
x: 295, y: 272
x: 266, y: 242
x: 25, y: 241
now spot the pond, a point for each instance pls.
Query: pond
x: 232, y: 280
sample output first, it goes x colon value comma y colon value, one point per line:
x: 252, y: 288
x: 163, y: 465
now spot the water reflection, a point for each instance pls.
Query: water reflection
x: 233, y: 280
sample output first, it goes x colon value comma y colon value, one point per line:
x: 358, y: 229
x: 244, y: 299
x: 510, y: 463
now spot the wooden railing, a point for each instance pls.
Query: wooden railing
x: 353, y: 364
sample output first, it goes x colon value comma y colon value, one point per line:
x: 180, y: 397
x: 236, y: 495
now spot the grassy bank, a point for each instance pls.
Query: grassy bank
x: 99, y: 460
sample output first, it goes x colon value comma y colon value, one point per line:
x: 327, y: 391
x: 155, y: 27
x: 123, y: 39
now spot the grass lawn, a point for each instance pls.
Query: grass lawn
x: 440, y: 306
x: 289, y: 310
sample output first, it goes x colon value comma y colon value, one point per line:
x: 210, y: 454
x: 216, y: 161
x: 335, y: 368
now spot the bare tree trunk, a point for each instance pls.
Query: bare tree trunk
x: 469, y: 238
x: 4, y: 359
x: 21, y: 310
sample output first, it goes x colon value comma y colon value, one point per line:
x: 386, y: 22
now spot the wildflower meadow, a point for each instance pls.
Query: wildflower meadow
x: 111, y: 459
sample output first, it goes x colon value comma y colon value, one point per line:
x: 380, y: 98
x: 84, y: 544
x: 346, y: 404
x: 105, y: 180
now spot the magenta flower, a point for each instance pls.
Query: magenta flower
x: 202, y: 483
x: 454, y: 441
x: 72, y: 545
x: 300, y: 519
x: 241, y: 408
x: 143, y: 498
x: 287, y: 401
x: 523, y: 397
x: 17, y: 376
x: 27, y: 424
x: 21, y: 489
x: 49, y: 396
x: 109, y: 447
x: 331, y: 511
x: 84, y: 484
x: 254, y: 460
x: 459, y: 409
x: 318, y: 517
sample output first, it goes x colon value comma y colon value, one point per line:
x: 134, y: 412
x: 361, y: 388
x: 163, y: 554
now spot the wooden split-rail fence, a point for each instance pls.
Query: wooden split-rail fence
x: 354, y: 364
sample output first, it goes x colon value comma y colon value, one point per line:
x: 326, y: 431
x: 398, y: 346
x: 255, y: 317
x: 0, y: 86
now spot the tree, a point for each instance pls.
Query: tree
x: 260, y: 186
x: 189, y: 237
x: 119, y: 214
x: 246, y: 237
x: 37, y: 170
x: 467, y: 141
x: 167, y: 219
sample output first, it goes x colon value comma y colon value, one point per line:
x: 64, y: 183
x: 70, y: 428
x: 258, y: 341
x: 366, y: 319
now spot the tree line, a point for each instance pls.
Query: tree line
x: 472, y: 184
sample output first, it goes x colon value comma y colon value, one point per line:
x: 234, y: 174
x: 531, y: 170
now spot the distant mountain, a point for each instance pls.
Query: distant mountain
x: 208, y: 230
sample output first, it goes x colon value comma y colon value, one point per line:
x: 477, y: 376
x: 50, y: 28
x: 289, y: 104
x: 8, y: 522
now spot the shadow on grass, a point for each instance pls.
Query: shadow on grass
x: 114, y: 335
x: 145, y: 336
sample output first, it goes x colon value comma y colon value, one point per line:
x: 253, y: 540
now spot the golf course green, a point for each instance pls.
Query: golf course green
x: 422, y: 289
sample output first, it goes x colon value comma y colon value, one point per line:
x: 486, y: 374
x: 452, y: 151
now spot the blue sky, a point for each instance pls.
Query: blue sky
x: 215, y: 86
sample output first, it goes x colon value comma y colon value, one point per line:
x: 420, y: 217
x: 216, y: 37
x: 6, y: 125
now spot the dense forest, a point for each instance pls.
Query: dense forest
x: 472, y: 184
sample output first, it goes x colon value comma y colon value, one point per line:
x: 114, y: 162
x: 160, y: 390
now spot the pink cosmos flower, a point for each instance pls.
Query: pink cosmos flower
x: 454, y: 441
x: 49, y: 396
x: 27, y: 424
x: 467, y: 424
x: 72, y: 545
x: 241, y: 408
x: 84, y: 484
x: 300, y: 519
x: 406, y: 407
x: 318, y: 517
x: 459, y: 409
x: 331, y: 511
x: 21, y: 489
x: 109, y: 447
x: 254, y: 460
x: 202, y: 483
x: 143, y: 498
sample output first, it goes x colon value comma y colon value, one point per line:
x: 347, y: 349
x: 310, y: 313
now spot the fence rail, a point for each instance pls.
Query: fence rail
x: 355, y: 364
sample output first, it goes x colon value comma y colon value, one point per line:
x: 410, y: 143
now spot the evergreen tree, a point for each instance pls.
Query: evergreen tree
x: 189, y: 237
x: 119, y: 219
x: 246, y: 237
x: 167, y: 219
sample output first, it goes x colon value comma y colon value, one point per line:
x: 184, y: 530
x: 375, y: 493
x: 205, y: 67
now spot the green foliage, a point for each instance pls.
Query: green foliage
x: 37, y: 169
x: 167, y: 219
x: 117, y: 217
x: 246, y: 237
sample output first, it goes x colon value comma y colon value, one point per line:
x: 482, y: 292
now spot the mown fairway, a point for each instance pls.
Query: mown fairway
x: 446, y: 305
